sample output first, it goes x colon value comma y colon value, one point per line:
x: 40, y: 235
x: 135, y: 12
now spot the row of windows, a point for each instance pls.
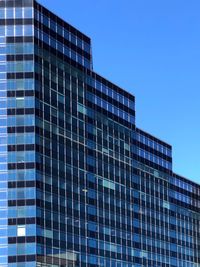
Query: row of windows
x: 16, y: 13
x: 19, y: 157
x: 21, y: 249
x: 64, y: 49
x: 93, y: 261
x: 20, y: 66
x: 109, y: 107
x: 183, y: 198
x: 184, y: 185
x: 62, y: 31
x: 22, y: 230
x: 110, y: 92
x: 19, y: 48
x: 18, y: 84
x: 153, y: 144
x: 26, y: 261
x: 93, y: 114
x: 25, y: 138
x: 16, y: 30
x: 21, y: 212
x: 27, y: 120
x: 20, y: 175
x: 20, y: 102
x: 155, y: 159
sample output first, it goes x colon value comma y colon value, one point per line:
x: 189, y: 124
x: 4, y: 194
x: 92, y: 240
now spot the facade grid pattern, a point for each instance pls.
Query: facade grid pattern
x: 80, y: 184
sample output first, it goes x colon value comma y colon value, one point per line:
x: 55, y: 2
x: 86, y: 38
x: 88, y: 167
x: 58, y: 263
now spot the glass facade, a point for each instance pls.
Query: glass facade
x: 81, y: 185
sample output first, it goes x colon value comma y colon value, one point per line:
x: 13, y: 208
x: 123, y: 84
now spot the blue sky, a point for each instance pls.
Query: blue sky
x: 152, y: 49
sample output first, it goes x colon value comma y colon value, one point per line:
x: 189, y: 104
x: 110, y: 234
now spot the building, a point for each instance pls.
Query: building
x: 80, y: 184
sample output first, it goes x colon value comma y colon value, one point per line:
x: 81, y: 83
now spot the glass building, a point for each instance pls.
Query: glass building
x: 80, y: 184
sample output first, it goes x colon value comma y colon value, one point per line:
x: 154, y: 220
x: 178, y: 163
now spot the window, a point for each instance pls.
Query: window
x: 21, y: 230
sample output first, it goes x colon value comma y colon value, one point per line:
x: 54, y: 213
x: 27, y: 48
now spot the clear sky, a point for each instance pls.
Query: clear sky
x: 152, y: 49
